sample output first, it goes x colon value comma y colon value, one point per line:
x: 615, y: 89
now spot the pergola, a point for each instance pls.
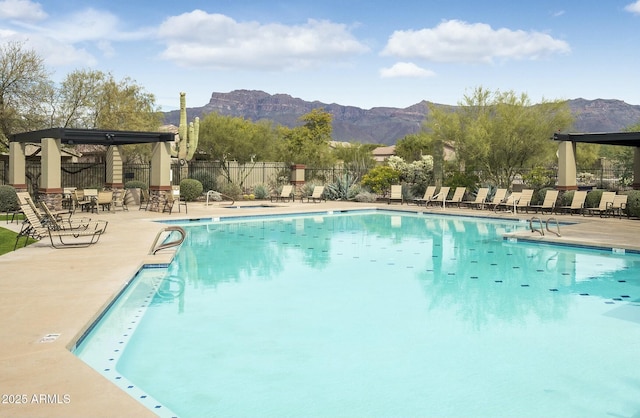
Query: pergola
x: 567, y: 153
x: 51, y: 141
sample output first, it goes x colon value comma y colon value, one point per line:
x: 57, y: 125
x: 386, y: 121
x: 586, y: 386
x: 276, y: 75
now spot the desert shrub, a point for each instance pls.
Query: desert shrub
x: 462, y: 179
x: 379, y: 179
x: 344, y: 188
x: 232, y: 190
x: 539, y: 178
x: 190, y: 189
x: 566, y: 198
x: 593, y: 199
x: 261, y: 191
x: 206, y: 177
x: 633, y: 203
x: 8, y: 199
x: 136, y: 184
x: 366, y: 197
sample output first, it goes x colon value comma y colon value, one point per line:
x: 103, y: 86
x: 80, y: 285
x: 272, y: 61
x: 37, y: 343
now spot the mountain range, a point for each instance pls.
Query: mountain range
x: 384, y: 125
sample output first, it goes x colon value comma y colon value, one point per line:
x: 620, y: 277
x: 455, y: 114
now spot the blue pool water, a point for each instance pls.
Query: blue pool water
x: 375, y: 314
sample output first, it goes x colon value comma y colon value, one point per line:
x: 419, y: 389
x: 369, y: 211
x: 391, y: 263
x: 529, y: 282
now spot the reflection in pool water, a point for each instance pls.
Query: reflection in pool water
x: 376, y: 314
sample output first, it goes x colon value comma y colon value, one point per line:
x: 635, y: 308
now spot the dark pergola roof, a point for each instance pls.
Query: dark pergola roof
x: 630, y: 139
x: 93, y: 136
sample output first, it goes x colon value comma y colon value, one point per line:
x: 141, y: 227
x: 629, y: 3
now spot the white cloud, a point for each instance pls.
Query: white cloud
x: 405, y: 69
x: 24, y: 10
x: 458, y: 41
x: 633, y: 7
x: 200, y: 39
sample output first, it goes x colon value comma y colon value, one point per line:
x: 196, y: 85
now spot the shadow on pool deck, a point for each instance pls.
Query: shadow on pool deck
x: 49, y: 297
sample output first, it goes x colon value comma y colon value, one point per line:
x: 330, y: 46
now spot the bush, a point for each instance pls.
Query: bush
x: 539, y: 195
x: 366, y: 197
x: 8, y: 199
x: 205, y: 177
x: 231, y: 190
x: 261, y: 191
x: 190, y: 189
x: 593, y: 199
x: 379, y: 179
x: 136, y: 184
x: 566, y: 198
x: 633, y: 203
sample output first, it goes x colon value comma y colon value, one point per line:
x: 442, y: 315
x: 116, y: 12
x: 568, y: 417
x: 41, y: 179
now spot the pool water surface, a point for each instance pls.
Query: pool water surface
x: 375, y: 314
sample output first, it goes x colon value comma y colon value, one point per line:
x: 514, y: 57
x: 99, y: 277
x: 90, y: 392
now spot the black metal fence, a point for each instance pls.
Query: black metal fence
x: 214, y: 175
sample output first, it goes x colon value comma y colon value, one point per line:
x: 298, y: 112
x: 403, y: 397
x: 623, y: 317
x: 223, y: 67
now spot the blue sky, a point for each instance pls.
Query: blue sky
x: 351, y: 52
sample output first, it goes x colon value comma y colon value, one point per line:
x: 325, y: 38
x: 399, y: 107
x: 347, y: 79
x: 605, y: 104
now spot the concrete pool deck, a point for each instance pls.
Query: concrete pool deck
x: 49, y: 297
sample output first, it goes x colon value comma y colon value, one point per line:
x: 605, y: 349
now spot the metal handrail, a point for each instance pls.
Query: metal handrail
x: 534, y: 218
x: 169, y: 244
x: 228, y: 197
x: 557, y: 226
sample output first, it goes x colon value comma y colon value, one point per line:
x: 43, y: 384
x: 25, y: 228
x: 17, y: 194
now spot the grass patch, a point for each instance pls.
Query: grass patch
x: 8, y: 240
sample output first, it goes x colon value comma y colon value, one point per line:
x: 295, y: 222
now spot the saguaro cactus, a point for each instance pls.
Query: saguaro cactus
x: 187, y: 141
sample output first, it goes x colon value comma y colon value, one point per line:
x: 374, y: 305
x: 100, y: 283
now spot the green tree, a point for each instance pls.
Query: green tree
x: 379, y: 179
x: 227, y: 138
x: 309, y: 144
x: 413, y: 146
x: 501, y: 134
x: 24, y: 89
x: 356, y: 157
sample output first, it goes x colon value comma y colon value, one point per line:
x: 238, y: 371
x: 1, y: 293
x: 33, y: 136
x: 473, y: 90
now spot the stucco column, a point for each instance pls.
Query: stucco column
x: 50, y: 166
x: 17, y: 175
x: 567, y: 166
x: 114, y: 168
x: 636, y: 168
x: 160, y: 172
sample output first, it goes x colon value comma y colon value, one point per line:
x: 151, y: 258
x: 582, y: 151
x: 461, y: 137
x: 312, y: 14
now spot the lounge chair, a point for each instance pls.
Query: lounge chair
x: 479, y: 201
x: 457, y: 197
x: 618, y: 206
x: 509, y: 202
x: 524, y: 200
x: 498, y: 197
x: 317, y: 195
x: 577, y: 203
x: 33, y: 227
x: 440, y: 197
x: 428, y: 194
x: 52, y: 221
x: 285, y: 195
x: 606, y: 200
x: 396, y: 194
x: 550, y: 198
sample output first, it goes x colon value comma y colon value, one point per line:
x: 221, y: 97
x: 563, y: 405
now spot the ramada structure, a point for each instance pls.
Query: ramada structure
x: 51, y: 141
x: 567, y: 153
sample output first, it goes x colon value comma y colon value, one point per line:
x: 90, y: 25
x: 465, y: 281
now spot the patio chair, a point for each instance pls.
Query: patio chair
x: 317, y: 195
x: 498, y: 197
x: 606, y: 200
x: 33, y: 227
x: 439, y: 197
x: 457, y: 197
x: 396, y: 194
x: 577, y: 203
x: 479, y: 201
x: 285, y: 195
x: 119, y: 200
x: 550, y: 198
x: 104, y: 200
x: 428, y: 194
x: 618, y: 206
x: 79, y: 201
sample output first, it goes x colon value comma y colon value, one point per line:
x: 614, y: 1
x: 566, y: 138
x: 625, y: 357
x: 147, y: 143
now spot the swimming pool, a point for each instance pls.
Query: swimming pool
x: 375, y: 314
